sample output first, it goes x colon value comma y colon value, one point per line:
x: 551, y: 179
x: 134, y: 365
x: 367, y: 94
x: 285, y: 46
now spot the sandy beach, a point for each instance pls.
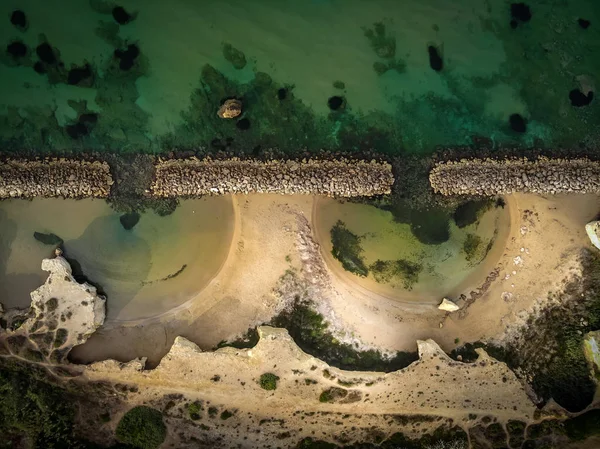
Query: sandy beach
x: 536, y: 257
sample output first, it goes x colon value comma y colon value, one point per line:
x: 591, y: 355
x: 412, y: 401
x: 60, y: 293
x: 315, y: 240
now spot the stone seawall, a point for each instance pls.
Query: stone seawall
x: 489, y: 177
x: 343, y: 178
x: 58, y: 177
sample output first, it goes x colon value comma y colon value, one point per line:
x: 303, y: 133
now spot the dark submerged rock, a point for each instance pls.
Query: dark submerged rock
x: 517, y: 123
x: 46, y: 53
x: 89, y: 118
x: 18, y: 19
x: 514, y: 24
x: 77, y: 131
x: 39, y: 67
x: 435, y: 60
x: 127, y: 57
x: 584, y: 23
x: 520, y: 11
x: 17, y: 49
x: 579, y: 99
x: 121, y: 16
x: 79, y: 74
x: 129, y: 220
x: 48, y: 239
x: 243, y: 124
x: 336, y: 102
x: 282, y: 93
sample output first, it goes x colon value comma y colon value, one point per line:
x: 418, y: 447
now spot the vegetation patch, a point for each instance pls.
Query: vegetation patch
x: 516, y: 432
x: 61, y: 337
x: 195, y: 410
x: 333, y: 394
x: 310, y: 332
x: 52, y: 304
x: 34, y: 413
x: 583, y: 426
x: 551, y: 347
x: 142, y: 427
x: 268, y: 381
x: 347, y: 249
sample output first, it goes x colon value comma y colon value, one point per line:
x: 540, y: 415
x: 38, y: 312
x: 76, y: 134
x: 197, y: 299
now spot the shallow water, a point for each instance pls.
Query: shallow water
x: 168, y: 99
x: 158, y: 265
x: 445, y: 265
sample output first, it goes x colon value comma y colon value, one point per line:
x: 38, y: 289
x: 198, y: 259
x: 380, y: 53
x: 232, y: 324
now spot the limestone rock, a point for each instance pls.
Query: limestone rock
x: 63, y: 314
x: 448, y: 306
x: 593, y: 232
x: 230, y: 109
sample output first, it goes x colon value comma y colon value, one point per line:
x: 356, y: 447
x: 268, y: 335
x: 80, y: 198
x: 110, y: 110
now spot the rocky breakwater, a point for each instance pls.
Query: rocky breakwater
x: 489, y: 177
x: 54, y: 177
x: 340, y: 178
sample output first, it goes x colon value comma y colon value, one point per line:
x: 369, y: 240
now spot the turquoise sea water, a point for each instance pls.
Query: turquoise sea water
x: 156, y: 82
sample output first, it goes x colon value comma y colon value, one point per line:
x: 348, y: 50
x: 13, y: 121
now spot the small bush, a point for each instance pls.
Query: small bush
x: 226, y: 415
x: 142, y: 427
x: 333, y: 394
x: 268, y: 381
x: 195, y: 410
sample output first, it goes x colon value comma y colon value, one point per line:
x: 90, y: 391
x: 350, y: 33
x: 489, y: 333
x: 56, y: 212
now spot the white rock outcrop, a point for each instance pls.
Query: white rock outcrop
x: 63, y: 314
x: 448, y: 306
x: 593, y: 232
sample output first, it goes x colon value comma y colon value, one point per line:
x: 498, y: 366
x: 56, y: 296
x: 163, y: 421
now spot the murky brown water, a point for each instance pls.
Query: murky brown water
x: 137, y: 269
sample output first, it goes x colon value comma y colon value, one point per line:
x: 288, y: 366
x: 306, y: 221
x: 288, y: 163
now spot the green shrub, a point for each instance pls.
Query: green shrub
x: 195, y: 410
x: 33, y: 410
x: 142, y: 427
x: 226, y: 415
x: 268, y: 381
x: 583, y: 426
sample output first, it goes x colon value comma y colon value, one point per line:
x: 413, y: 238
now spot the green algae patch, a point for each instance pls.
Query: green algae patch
x: 234, y: 56
x: 386, y: 271
x: 383, y: 43
x: 471, y: 246
x: 347, y: 249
